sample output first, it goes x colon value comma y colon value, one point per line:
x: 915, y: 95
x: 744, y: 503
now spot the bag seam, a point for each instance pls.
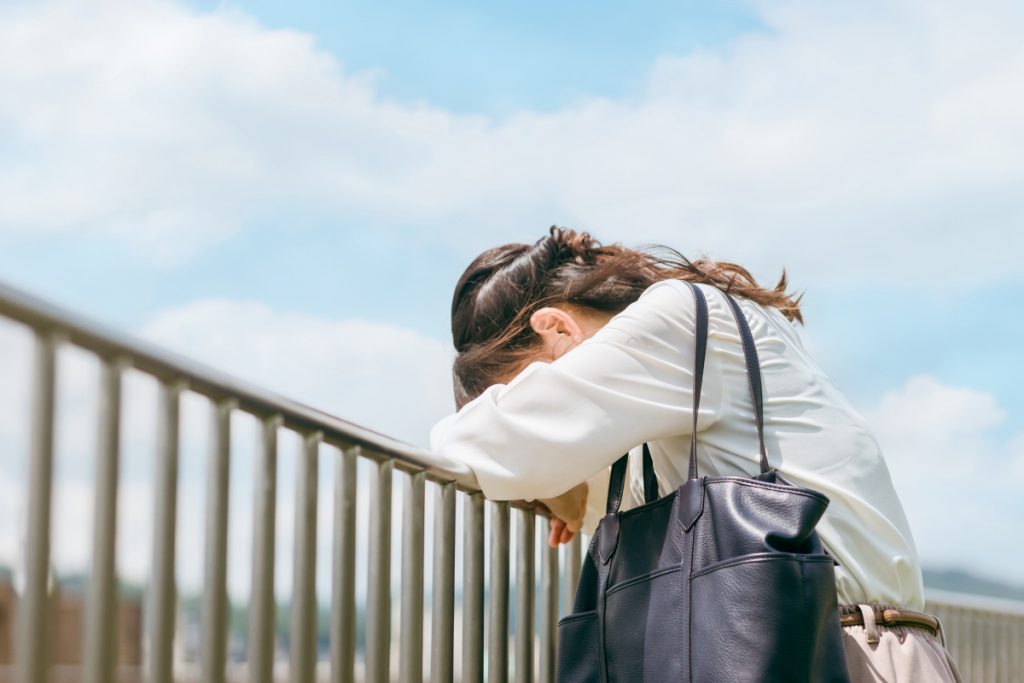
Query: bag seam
x: 644, y: 577
x: 761, y: 557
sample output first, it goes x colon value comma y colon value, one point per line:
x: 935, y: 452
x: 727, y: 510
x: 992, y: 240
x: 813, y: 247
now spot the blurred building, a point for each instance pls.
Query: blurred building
x: 68, y: 629
x: 7, y: 606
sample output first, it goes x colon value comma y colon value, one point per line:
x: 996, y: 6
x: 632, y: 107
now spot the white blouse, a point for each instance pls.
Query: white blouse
x: 558, y: 423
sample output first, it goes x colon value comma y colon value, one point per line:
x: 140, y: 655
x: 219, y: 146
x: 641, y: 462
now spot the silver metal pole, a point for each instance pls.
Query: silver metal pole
x: 410, y: 667
x: 303, y: 636
x: 974, y: 650
x: 162, y: 598
x: 263, y: 612
x: 33, y: 612
x: 101, y: 616
x: 214, y: 643
x: 1016, y: 635
x: 549, y: 610
x: 473, y: 589
x: 497, y: 646
x: 955, y: 625
x: 524, y: 597
x: 442, y: 628
x: 378, y: 600
x: 343, y: 610
x: 991, y: 637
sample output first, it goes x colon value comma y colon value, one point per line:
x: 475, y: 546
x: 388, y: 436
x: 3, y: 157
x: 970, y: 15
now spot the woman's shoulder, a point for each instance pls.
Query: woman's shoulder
x: 672, y: 301
x: 663, y: 310
x: 669, y: 287
x: 672, y: 296
x: 677, y: 295
x: 666, y: 309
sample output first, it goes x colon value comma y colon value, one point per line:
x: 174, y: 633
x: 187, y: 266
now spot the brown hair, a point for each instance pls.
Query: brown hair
x: 503, y: 286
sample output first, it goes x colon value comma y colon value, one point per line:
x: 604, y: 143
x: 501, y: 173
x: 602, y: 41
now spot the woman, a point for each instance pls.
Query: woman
x: 571, y: 353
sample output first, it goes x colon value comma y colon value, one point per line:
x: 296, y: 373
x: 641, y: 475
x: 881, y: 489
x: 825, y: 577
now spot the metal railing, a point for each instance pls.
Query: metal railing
x: 497, y: 604
x: 984, y: 635
x: 351, y: 443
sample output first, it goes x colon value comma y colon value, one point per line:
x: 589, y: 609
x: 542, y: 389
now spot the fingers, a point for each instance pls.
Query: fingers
x: 560, y: 532
x: 557, y: 530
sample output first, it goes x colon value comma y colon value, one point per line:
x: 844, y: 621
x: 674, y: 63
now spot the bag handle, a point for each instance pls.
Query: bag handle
x: 753, y: 375
x: 617, y: 481
x: 616, y: 484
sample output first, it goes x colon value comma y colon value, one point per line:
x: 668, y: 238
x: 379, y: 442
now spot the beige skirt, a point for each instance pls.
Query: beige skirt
x: 880, y: 653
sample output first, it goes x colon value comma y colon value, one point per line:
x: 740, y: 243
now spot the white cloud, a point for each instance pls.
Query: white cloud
x: 846, y: 143
x: 379, y: 375
x: 958, y: 476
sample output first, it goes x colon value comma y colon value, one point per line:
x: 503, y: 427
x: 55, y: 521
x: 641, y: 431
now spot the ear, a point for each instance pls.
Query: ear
x: 555, y: 326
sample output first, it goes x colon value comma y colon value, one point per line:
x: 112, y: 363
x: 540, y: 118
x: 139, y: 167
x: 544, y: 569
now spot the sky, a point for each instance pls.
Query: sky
x: 289, y: 192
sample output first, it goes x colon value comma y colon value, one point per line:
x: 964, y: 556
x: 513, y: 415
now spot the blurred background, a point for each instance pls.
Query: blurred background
x: 289, y: 191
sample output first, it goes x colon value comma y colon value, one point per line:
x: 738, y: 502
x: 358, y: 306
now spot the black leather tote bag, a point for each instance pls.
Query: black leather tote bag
x: 724, y: 579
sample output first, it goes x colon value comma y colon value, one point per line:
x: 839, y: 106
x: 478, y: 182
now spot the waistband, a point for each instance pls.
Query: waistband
x: 872, y: 615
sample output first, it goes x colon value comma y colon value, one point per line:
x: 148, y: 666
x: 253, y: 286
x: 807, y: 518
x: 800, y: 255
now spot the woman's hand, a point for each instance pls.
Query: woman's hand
x: 567, y: 511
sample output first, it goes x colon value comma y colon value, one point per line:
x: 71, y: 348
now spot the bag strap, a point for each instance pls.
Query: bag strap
x: 699, y: 352
x: 616, y: 484
x: 618, y: 475
x: 753, y: 375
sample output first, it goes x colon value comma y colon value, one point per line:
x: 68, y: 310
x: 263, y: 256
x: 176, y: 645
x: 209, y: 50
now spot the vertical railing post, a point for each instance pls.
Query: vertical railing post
x: 214, y: 633
x: 956, y: 634
x: 101, y: 617
x: 34, y: 633
x: 262, y: 614
x: 1003, y: 626
x: 473, y: 589
x: 304, y: 612
x: 1016, y: 636
x: 549, y: 610
x: 378, y: 600
x: 410, y: 666
x: 442, y: 627
x: 524, y: 597
x: 165, y: 493
x: 970, y: 622
x: 343, y: 610
x: 497, y: 646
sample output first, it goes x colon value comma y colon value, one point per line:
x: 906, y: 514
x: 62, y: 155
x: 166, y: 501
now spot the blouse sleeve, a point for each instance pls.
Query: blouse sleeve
x: 559, y: 423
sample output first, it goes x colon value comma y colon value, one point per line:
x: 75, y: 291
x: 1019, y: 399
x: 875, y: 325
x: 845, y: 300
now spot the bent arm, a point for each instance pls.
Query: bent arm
x: 557, y: 424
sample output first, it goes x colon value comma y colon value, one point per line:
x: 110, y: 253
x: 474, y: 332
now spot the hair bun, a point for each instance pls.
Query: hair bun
x: 569, y: 245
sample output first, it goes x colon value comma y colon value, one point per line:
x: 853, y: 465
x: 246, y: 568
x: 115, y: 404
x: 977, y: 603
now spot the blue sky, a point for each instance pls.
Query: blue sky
x: 474, y: 58
x: 206, y: 174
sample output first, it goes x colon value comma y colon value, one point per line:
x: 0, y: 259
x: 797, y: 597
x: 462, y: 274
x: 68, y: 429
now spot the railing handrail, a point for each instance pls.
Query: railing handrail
x: 16, y: 304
